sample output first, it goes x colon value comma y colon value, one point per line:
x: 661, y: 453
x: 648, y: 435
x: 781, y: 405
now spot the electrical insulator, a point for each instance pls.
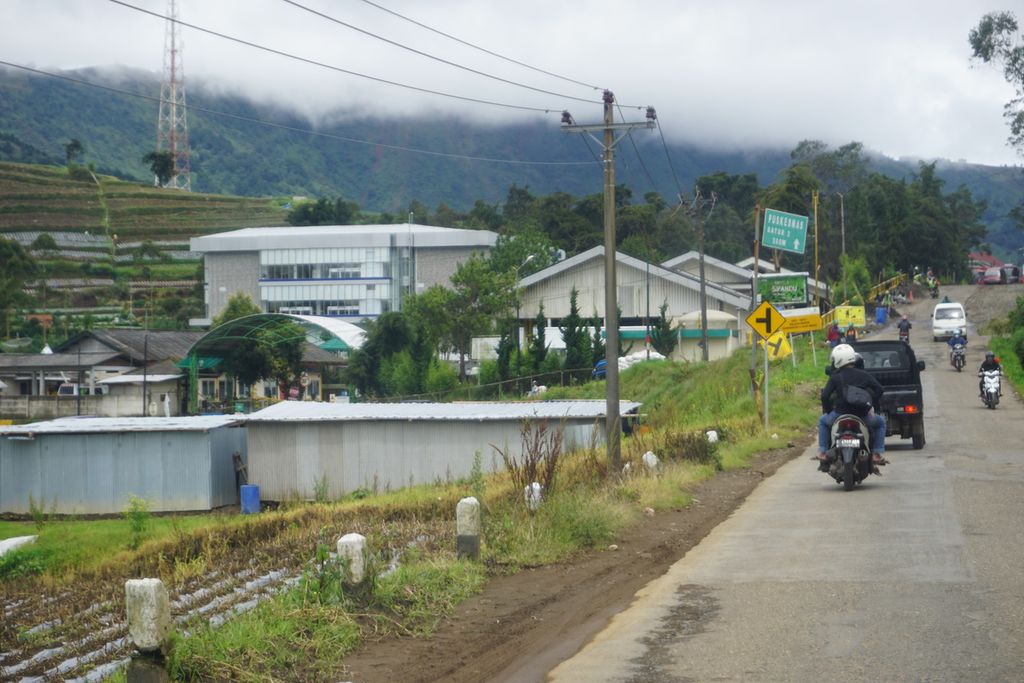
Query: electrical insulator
x: 566, y: 117
x: 651, y: 114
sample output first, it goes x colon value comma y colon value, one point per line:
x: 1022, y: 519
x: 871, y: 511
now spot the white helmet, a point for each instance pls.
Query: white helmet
x: 843, y: 355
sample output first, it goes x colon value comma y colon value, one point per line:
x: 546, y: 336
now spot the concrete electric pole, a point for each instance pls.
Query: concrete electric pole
x: 609, y: 129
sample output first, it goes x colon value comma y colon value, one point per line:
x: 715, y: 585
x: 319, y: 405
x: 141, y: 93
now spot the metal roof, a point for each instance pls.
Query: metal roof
x: 138, y: 378
x: 306, y: 411
x: 57, y: 361
x: 101, y: 425
x: 327, y: 236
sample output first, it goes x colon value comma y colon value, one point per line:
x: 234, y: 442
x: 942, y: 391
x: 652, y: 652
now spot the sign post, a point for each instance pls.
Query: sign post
x: 766, y: 321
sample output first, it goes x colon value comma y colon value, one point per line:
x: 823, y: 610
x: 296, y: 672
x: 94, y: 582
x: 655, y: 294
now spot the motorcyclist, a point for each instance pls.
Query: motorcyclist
x: 846, y: 373
x: 990, y: 363
x: 904, y: 327
x: 958, y: 338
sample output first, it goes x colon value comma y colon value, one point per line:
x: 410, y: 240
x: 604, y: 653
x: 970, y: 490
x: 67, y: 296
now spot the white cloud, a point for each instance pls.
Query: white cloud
x: 895, y: 76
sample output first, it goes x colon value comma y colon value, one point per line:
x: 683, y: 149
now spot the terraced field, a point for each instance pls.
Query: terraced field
x: 46, y: 199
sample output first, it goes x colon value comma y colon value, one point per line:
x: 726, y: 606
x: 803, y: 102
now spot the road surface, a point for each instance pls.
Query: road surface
x: 914, y: 576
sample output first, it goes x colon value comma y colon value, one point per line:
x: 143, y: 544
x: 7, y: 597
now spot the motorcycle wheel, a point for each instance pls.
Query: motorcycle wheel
x: 848, y: 482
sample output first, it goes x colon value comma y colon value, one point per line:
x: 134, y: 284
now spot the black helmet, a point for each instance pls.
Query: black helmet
x: 990, y: 355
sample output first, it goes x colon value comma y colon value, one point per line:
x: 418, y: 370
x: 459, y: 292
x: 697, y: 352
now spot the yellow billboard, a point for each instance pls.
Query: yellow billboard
x: 849, y: 315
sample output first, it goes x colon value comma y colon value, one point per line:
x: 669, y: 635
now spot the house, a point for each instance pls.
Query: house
x: 80, y: 376
x: 641, y: 288
x: 346, y: 271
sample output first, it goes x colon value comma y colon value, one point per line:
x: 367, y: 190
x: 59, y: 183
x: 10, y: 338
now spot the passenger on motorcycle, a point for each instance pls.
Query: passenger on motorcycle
x: 990, y: 363
x: 846, y: 373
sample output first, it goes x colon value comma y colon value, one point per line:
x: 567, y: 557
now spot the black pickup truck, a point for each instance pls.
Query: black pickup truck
x: 895, y: 366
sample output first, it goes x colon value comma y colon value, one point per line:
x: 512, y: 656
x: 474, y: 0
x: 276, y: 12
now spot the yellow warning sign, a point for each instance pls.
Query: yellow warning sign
x: 778, y: 346
x: 765, y: 320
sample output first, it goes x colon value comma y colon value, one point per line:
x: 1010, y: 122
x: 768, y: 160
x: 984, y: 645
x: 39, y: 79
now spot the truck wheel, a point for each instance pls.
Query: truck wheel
x: 918, y: 441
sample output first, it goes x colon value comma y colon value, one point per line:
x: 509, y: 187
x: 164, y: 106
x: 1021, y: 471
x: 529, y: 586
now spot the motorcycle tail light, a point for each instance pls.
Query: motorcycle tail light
x: 849, y: 425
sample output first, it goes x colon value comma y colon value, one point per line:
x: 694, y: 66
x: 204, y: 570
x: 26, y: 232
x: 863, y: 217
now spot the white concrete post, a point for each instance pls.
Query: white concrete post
x: 467, y: 528
x: 533, y: 494
x: 149, y: 614
x: 352, y: 547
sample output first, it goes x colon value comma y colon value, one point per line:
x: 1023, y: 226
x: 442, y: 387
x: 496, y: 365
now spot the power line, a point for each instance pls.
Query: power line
x: 629, y: 134
x: 679, y: 186
x: 338, y: 69
x: 305, y: 131
x: 481, y: 49
x: 434, y: 57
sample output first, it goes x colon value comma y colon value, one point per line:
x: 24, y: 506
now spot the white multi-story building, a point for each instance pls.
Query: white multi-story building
x: 350, y: 271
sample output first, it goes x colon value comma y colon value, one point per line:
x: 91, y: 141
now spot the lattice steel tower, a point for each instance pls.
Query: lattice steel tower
x: 172, y: 126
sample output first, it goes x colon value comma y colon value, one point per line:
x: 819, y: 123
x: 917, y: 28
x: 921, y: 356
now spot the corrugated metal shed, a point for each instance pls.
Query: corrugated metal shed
x: 294, y: 446
x: 93, y: 465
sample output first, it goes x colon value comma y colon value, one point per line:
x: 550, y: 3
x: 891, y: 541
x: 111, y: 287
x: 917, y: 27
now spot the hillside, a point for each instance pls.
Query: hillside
x: 253, y: 149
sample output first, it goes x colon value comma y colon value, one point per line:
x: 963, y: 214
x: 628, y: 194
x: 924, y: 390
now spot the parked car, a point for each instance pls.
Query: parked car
x: 1010, y: 274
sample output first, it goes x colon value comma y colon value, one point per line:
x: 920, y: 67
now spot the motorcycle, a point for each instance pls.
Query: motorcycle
x: 849, y: 459
x: 905, y: 336
x: 990, y: 380
x: 933, y: 291
x: 958, y: 357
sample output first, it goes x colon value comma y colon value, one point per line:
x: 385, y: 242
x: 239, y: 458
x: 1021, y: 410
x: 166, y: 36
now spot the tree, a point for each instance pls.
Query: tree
x: 538, y: 348
x: 995, y: 40
x: 45, y: 242
x: 480, y: 295
x: 323, y: 212
x: 72, y: 150
x: 663, y: 337
x: 239, y: 305
x: 162, y: 165
x: 598, y: 349
x: 577, y: 340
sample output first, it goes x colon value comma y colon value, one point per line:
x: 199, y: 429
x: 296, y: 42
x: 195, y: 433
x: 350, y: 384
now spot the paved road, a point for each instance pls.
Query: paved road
x: 915, y: 576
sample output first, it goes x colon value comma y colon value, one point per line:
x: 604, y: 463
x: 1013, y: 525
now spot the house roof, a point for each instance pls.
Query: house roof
x: 714, y: 290
x: 309, y: 411
x: 743, y: 274
x: 139, y: 345
x: 55, y: 361
x: 99, y: 425
x: 333, y: 236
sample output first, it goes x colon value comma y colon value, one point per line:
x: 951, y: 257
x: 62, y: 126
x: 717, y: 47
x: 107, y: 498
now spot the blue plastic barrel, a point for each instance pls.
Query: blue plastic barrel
x: 250, y: 499
x: 881, y: 314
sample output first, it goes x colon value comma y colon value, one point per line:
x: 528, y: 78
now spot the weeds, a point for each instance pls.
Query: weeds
x: 538, y: 461
x: 138, y: 516
x: 320, y: 489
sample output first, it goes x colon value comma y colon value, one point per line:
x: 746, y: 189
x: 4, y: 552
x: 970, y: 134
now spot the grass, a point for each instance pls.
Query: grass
x: 67, y: 547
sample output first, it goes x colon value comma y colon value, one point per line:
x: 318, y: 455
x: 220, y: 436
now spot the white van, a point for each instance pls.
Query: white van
x: 947, y: 318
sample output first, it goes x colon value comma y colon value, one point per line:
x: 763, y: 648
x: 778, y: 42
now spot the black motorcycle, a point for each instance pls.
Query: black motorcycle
x: 849, y: 459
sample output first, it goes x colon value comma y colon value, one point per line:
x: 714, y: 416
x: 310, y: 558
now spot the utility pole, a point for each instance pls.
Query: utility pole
x: 842, y: 232
x: 613, y: 424
x: 814, y: 202
x: 696, y: 207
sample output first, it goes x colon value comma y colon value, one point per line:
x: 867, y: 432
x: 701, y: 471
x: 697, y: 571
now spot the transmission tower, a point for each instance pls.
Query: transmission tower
x: 172, y: 126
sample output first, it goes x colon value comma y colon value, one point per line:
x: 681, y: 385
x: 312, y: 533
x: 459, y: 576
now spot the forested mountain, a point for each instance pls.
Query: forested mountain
x: 234, y: 154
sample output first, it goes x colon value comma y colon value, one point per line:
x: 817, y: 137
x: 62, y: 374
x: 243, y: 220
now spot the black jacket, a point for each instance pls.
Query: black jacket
x: 994, y: 365
x: 832, y: 396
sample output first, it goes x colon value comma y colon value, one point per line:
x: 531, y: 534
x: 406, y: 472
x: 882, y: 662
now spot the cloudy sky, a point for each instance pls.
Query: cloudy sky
x: 895, y: 75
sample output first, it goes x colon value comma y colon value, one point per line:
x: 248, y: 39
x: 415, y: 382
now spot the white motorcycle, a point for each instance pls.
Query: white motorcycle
x: 958, y: 357
x: 990, y: 381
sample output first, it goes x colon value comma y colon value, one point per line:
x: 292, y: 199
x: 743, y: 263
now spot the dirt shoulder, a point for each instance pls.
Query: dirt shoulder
x: 522, y: 625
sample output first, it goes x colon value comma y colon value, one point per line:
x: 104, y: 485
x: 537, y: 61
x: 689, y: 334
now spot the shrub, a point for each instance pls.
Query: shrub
x: 138, y: 516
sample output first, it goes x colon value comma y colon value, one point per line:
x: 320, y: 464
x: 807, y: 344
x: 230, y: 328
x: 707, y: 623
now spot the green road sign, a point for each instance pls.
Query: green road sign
x: 790, y: 289
x: 786, y: 231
